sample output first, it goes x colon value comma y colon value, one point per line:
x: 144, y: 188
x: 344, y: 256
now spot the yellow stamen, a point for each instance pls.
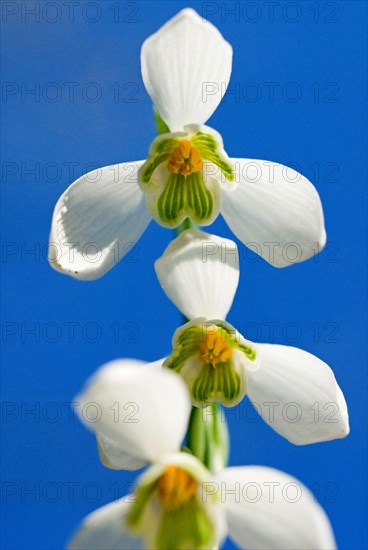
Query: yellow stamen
x: 214, y: 348
x: 176, y: 487
x: 185, y: 159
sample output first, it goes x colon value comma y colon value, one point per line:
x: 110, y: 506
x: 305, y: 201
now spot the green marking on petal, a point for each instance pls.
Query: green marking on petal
x: 208, y: 148
x: 137, y: 508
x: 199, y: 199
x: 160, y: 152
x: 181, y: 188
x: 187, y: 527
x: 248, y: 351
x: 185, y: 347
x: 168, y: 512
x: 170, y: 203
x: 185, y: 196
x: 207, y: 356
x: 233, y: 338
x: 215, y: 382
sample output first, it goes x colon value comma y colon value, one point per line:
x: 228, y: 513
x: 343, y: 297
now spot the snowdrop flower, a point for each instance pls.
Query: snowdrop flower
x: 200, y: 272
x: 186, y: 68
x: 178, y: 503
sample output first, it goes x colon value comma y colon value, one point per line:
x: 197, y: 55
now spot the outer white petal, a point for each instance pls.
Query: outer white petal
x: 156, y: 365
x: 105, y: 528
x: 186, y: 68
x: 117, y: 457
x: 297, y: 395
x: 275, y: 211
x: 97, y: 220
x: 200, y: 274
x: 269, y: 509
x: 139, y: 414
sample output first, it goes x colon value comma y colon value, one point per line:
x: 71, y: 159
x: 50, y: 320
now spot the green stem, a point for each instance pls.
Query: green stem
x: 161, y: 126
x: 208, y: 437
x: 187, y: 224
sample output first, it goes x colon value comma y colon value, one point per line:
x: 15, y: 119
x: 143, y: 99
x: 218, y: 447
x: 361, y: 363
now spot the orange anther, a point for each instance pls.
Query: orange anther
x: 214, y: 348
x: 176, y: 487
x: 185, y: 159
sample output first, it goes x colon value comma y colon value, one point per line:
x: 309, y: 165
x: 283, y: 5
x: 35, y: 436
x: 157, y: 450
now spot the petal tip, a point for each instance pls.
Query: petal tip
x: 177, y: 60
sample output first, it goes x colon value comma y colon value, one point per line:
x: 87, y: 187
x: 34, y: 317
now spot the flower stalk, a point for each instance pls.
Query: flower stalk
x: 208, y: 435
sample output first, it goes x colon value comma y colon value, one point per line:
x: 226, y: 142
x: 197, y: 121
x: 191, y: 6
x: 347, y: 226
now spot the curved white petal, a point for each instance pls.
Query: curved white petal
x: 297, y: 395
x: 200, y: 274
x: 156, y: 365
x: 105, y: 528
x: 117, y: 457
x: 275, y: 211
x: 97, y: 220
x: 186, y: 67
x: 269, y: 509
x: 139, y: 414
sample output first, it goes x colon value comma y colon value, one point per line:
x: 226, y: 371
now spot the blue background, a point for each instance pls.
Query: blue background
x: 305, y: 48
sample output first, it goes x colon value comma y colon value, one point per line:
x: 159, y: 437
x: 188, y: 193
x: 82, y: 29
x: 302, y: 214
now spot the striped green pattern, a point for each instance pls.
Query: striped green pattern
x: 186, y: 345
x: 175, y: 197
x: 185, y: 195
x: 219, y: 382
x: 160, y: 151
x: 188, y: 526
x: 208, y: 148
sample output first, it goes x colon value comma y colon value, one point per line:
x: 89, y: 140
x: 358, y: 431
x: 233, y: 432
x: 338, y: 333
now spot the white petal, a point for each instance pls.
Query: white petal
x: 297, y: 395
x: 156, y: 365
x: 97, y: 220
x: 105, y: 528
x: 200, y: 273
x: 269, y: 509
x: 186, y: 68
x: 275, y: 211
x: 138, y: 413
x: 116, y: 457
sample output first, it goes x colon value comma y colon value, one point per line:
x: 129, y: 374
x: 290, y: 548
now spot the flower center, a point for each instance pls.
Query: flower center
x: 185, y: 159
x: 176, y: 487
x: 214, y: 348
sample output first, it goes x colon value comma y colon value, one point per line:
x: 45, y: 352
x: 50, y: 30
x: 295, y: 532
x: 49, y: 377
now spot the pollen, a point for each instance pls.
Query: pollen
x: 176, y: 488
x: 185, y: 159
x: 214, y: 348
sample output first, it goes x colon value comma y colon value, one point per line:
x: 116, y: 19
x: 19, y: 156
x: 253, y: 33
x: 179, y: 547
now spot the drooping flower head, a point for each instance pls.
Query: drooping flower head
x: 186, y: 68
x: 200, y: 272
x: 179, y: 504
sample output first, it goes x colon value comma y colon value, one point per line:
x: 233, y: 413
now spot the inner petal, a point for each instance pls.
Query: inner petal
x: 213, y: 359
x: 176, y: 487
x: 169, y: 511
